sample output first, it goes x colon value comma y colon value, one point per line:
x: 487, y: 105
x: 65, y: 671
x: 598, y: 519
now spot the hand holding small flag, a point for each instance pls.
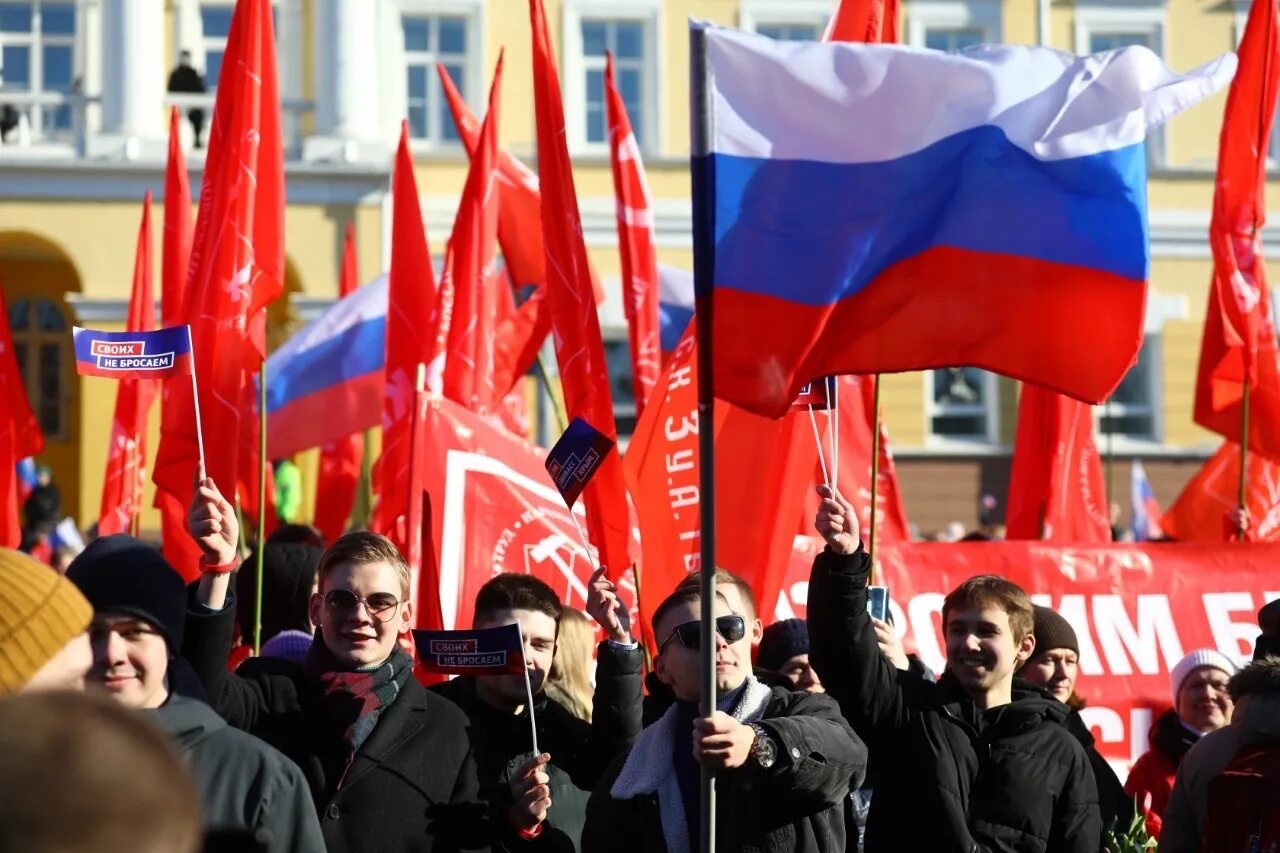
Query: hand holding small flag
x: 607, y: 608
x: 531, y: 795
x: 836, y: 521
x: 213, y: 525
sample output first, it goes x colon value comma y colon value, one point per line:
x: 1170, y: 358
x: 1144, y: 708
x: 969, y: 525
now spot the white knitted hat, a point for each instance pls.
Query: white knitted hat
x: 1195, y: 660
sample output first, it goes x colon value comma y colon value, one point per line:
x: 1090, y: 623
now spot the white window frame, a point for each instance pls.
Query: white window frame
x: 990, y: 410
x: 926, y: 15
x: 575, y: 67
x: 1127, y: 17
x: 1155, y: 386
x: 434, y: 137
x: 764, y: 13
x: 35, y: 42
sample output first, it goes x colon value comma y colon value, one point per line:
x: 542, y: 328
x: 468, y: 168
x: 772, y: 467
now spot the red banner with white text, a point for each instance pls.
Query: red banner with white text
x: 1136, y: 610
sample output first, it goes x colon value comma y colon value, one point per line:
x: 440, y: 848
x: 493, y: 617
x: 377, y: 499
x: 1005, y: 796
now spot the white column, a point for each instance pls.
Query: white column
x: 289, y: 55
x: 346, y: 38
x: 133, y: 78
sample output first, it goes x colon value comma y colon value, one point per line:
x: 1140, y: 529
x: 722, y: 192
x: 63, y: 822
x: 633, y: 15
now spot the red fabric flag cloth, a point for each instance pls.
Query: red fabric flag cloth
x: 520, y: 235
x: 1199, y: 512
x: 764, y: 470
x: 127, y: 453
x: 635, y: 244
x: 584, y: 374
x: 856, y: 418
x: 471, y: 273
x: 249, y: 468
x: 419, y: 551
x: 340, y: 460
x: 20, y: 434
x: 1056, y: 491
x: 236, y: 255
x: 873, y: 21
x: 1239, y: 343
x: 417, y: 325
x: 179, y: 550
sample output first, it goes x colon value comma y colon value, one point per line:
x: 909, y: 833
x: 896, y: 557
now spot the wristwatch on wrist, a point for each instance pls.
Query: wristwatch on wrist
x: 763, y: 750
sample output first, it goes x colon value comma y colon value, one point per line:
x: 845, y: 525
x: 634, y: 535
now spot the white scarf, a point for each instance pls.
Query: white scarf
x: 650, y: 767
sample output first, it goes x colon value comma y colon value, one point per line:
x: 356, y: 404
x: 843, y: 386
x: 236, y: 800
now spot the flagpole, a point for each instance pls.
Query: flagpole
x: 704, y: 268
x: 875, y: 478
x: 546, y: 384
x: 1109, y: 418
x: 528, y: 692
x: 262, y: 503
x: 195, y: 394
x: 1244, y: 458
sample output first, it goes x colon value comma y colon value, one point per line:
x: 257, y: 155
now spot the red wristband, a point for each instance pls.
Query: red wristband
x: 225, y: 568
x: 525, y: 834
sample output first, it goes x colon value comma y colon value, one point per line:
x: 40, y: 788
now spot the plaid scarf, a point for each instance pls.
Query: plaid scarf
x: 356, y: 698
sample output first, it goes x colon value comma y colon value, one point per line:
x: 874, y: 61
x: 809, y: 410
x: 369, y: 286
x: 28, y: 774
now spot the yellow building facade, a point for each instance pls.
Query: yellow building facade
x: 83, y: 108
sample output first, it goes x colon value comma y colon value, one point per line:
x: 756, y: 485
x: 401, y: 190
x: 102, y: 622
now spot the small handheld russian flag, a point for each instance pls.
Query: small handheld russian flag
x: 480, y: 651
x: 1146, y: 511
x: 133, y: 355
x: 576, y: 457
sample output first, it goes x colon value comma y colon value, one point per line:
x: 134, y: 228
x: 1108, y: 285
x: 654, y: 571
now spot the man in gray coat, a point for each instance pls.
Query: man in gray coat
x: 250, y: 791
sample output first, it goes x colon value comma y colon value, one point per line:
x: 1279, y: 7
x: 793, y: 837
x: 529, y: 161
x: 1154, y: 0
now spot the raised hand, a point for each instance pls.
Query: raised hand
x: 212, y: 523
x: 531, y: 792
x: 607, y: 608
x: 836, y: 521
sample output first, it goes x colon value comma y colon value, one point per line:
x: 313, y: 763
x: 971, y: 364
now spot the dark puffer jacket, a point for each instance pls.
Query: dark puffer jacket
x: 956, y: 778
x: 580, y: 752
x: 1115, y: 807
x: 796, y: 806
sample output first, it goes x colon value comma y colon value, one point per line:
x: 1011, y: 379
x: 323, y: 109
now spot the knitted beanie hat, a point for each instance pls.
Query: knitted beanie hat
x: 290, y: 645
x: 781, y: 642
x: 1195, y: 660
x: 120, y: 574
x: 40, y: 612
x: 1052, y: 631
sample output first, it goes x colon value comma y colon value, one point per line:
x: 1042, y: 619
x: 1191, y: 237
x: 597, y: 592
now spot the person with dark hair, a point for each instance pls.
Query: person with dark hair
x: 185, y: 79
x: 541, y: 800
x: 971, y: 763
x: 784, y: 760
x: 293, y: 533
x: 389, y: 763
x: 288, y: 582
x: 82, y: 775
x: 1054, y: 667
x: 1255, y: 725
x: 140, y: 604
x: 784, y: 649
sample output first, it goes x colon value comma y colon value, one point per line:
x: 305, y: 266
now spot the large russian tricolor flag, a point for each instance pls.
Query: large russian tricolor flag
x: 326, y: 381
x: 874, y: 208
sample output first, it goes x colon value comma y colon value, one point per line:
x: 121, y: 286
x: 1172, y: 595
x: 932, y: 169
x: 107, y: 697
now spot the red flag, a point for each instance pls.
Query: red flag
x: 584, y: 374
x: 127, y: 452
x: 1199, y: 513
x: 419, y: 552
x: 1239, y: 343
x: 471, y: 273
x: 236, y: 256
x: 520, y: 235
x: 1056, y: 490
x: 179, y: 550
x: 855, y: 408
x: 763, y: 472
x: 635, y: 244
x: 340, y: 460
x: 20, y: 434
x: 417, y: 324
x: 864, y: 20
x: 249, y: 467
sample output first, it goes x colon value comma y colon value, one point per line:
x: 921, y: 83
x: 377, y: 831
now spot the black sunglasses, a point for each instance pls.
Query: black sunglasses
x: 732, y: 628
x: 343, y: 602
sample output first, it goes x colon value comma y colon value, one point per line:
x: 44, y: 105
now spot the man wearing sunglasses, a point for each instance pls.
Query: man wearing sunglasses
x: 540, y: 801
x: 389, y: 763
x: 973, y: 763
x: 784, y: 760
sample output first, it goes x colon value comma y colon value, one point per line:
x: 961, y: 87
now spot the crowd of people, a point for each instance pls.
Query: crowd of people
x: 134, y: 716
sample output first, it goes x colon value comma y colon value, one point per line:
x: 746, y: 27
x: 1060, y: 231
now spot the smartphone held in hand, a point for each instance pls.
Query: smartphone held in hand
x: 878, y: 603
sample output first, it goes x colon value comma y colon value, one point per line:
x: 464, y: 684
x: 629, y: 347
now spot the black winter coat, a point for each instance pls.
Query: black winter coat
x: 796, y: 806
x: 580, y: 752
x: 412, y: 786
x: 1115, y: 807
x: 950, y: 776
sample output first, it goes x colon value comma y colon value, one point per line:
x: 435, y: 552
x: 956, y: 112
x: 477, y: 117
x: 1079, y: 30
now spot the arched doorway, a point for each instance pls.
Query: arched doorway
x: 37, y: 276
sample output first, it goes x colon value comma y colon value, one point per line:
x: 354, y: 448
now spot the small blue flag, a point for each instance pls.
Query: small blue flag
x: 133, y: 355
x: 480, y: 651
x: 576, y: 457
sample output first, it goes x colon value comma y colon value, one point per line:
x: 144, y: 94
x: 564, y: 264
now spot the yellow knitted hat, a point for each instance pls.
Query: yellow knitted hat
x: 40, y: 612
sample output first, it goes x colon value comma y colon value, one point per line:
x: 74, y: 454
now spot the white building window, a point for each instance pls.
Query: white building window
x: 1102, y: 25
x: 1131, y: 414
x: 431, y: 40
x: 786, y: 20
x: 962, y: 405
x: 628, y: 30
x: 953, y: 25
x: 37, y: 56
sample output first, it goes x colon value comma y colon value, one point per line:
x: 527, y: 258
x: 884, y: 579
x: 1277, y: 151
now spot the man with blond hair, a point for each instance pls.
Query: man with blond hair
x: 971, y: 763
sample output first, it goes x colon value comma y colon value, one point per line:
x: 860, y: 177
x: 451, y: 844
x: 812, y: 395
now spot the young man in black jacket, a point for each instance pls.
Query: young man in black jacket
x: 389, y: 763
x: 247, y: 788
x: 784, y: 760
x: 969, y: 764
x: 539, y: 802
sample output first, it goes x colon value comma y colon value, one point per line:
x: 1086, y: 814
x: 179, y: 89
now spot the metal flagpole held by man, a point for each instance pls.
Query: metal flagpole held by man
x: 703, y: 270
